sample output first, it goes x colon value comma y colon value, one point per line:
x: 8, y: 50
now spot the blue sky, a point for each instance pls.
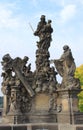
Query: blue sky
x: 16, y: 36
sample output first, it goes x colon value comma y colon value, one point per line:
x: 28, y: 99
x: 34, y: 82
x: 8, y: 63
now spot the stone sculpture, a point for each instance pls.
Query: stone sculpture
x: 23, y: 88
x: 66, y: 68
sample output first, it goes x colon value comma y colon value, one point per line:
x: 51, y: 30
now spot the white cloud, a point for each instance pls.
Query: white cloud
x: 58, y: 2
x: 80, y: 1
x: 66, y: 2
x: 67, y: 13
x: 34, y: 2
x: 7, y: 19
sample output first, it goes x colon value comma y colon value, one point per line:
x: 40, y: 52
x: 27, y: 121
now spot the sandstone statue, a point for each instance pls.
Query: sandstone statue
x: 66, y: 68
x: 30, y: 95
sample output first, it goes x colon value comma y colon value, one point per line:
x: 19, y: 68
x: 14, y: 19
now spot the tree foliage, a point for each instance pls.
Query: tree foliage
x: 79, y: 75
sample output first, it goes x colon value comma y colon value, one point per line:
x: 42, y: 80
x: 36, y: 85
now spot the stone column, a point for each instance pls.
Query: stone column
x: 5, y: 105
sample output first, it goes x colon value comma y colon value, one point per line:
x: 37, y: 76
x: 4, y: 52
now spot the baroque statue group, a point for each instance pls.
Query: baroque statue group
x: 20, y: 85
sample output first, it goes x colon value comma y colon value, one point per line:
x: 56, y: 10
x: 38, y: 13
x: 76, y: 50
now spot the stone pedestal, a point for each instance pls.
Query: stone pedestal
x: 40, y: 110
x: 69, y: 102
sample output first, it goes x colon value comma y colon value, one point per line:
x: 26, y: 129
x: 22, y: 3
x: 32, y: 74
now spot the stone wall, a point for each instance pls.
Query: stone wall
x: 42, y: 126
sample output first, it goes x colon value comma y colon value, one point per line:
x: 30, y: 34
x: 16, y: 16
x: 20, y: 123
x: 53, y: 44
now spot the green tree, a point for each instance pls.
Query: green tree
x: 79, y: 75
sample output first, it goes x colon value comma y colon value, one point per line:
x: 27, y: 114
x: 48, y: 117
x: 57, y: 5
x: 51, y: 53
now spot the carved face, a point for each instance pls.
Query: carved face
x: 6, y: 63
x: 65, y: 48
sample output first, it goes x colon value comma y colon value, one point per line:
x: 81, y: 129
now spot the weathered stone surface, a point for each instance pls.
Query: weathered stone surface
x: 19, y: 127
x: 37, y: 96
x: 79, y: 128
x: 66, y: 68
x: 5, y: 128
x: 66, y: 127
x: 78, y: 118
x: 42, y: 104
x: 41, y: 126
x: 45, y: 127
